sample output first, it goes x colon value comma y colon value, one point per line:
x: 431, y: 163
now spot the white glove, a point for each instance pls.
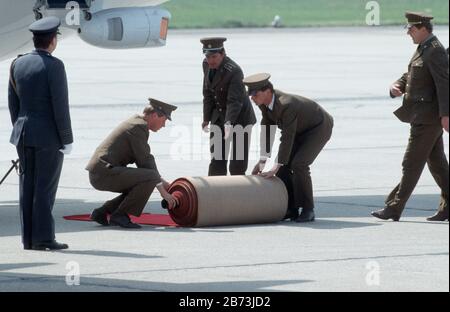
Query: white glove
x: 205, y: 126
x: 262, y: 165
x: 227, y: 129
x: 67, y: 149
x: 271, y: 173
x: 259, y: 168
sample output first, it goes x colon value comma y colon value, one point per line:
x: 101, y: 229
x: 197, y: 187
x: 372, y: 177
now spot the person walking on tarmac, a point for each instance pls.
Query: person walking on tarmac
x: 425, y: 107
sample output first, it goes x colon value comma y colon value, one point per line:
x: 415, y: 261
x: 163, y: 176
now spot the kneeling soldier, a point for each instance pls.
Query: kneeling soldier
x: 108, y: 170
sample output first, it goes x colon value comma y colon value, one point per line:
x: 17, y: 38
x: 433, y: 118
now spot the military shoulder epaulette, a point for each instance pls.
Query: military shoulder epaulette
x: 20, y: 55
x: 229, y: 66
x: 436, y: 44
x: 15, y: 60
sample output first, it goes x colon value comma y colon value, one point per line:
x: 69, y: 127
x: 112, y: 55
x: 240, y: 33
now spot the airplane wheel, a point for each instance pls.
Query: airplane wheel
x: 38, y: 15
x: 87, y: 15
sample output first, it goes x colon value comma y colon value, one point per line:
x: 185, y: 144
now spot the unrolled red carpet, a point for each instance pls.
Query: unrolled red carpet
x: 145, y: 219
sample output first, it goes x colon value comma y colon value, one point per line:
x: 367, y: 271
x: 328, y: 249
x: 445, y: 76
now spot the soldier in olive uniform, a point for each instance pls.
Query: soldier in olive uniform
x: 39, y: 106
x: 226, y: 106
x: 305, y: 129
x: 425, y: 106
x: 108, y: 170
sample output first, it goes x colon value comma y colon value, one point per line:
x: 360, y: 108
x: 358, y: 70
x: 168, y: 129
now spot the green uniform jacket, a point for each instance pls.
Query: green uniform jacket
x: 294, y: 115
x: 425, y: 85
x: 127, y: 144
x: 225, y: 99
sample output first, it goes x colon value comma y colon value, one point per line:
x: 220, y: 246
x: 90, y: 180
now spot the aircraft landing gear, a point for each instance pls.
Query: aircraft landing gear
x: 87, y: 15
x: 37, y: 14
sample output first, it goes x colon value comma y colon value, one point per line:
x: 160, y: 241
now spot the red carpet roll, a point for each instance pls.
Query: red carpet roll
x: 214, y: 201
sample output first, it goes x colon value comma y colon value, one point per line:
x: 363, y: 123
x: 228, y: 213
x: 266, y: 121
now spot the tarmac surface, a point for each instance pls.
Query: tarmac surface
x: 347, y: 70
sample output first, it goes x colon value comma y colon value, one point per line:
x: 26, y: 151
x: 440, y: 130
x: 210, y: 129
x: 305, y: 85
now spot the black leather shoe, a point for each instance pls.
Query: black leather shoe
x: 99, y: 216
x: 386, y: 214
x: 54, y: 245
x: 123, y: 221
x: 440, y: 216
x: 306, y: 216
x: 291, y: 214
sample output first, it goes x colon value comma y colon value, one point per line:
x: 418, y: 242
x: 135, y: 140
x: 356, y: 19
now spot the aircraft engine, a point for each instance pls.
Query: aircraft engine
x: 126, y: 28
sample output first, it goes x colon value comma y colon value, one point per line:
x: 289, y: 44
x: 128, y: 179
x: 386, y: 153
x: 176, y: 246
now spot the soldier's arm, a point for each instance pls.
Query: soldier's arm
x: 438, y: 67
x: 208, y: 98
x: 236, y: 94
x: 288, y: 132
x: 60, y: 101
x: 267, y: 137
x: 141, y: 150
x: 13, y: 97
x: 13, y: 103
x: 401, y: 83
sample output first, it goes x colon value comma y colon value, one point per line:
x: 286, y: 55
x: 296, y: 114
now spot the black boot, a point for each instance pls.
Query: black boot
x: 440, y: 216
x: 99, y: 216
x: 52, y: 245
x: 307, y: 215
x: 386, y: 214
x: 291, y: 214
x: 123, y: 220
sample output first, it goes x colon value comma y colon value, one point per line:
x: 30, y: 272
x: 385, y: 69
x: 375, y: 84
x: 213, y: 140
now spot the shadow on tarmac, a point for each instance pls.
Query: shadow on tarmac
x: 103, y: 253
x: 17, y: 266
x: 47, y: 283
x: 328, y: 208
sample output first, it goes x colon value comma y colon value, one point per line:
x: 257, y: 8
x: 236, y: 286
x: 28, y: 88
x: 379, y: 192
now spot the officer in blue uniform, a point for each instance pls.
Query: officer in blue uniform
x: 42, y: 133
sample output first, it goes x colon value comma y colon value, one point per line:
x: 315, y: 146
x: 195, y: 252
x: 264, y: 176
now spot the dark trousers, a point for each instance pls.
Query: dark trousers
x: 425, y: 147
x: 135, y: 185
x: 239, y: 154
x: 40, y: 172
x: 297, y: 174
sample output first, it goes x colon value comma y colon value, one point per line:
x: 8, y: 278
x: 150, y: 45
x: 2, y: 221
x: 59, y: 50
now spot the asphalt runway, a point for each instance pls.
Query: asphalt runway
x: 347, y: 70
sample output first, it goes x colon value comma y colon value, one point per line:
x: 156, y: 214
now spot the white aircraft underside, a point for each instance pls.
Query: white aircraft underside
x: 112, y: 24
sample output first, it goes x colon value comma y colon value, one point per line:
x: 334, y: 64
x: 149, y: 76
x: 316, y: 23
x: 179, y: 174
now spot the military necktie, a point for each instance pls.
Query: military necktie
x: 212, y: 73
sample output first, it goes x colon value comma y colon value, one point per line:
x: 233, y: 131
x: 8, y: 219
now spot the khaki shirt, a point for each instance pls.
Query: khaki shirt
x: 294, y: 115
x: 127, y: 144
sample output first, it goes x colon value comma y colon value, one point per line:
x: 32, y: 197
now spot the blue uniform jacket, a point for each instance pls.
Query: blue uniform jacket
x: 39, y: 103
